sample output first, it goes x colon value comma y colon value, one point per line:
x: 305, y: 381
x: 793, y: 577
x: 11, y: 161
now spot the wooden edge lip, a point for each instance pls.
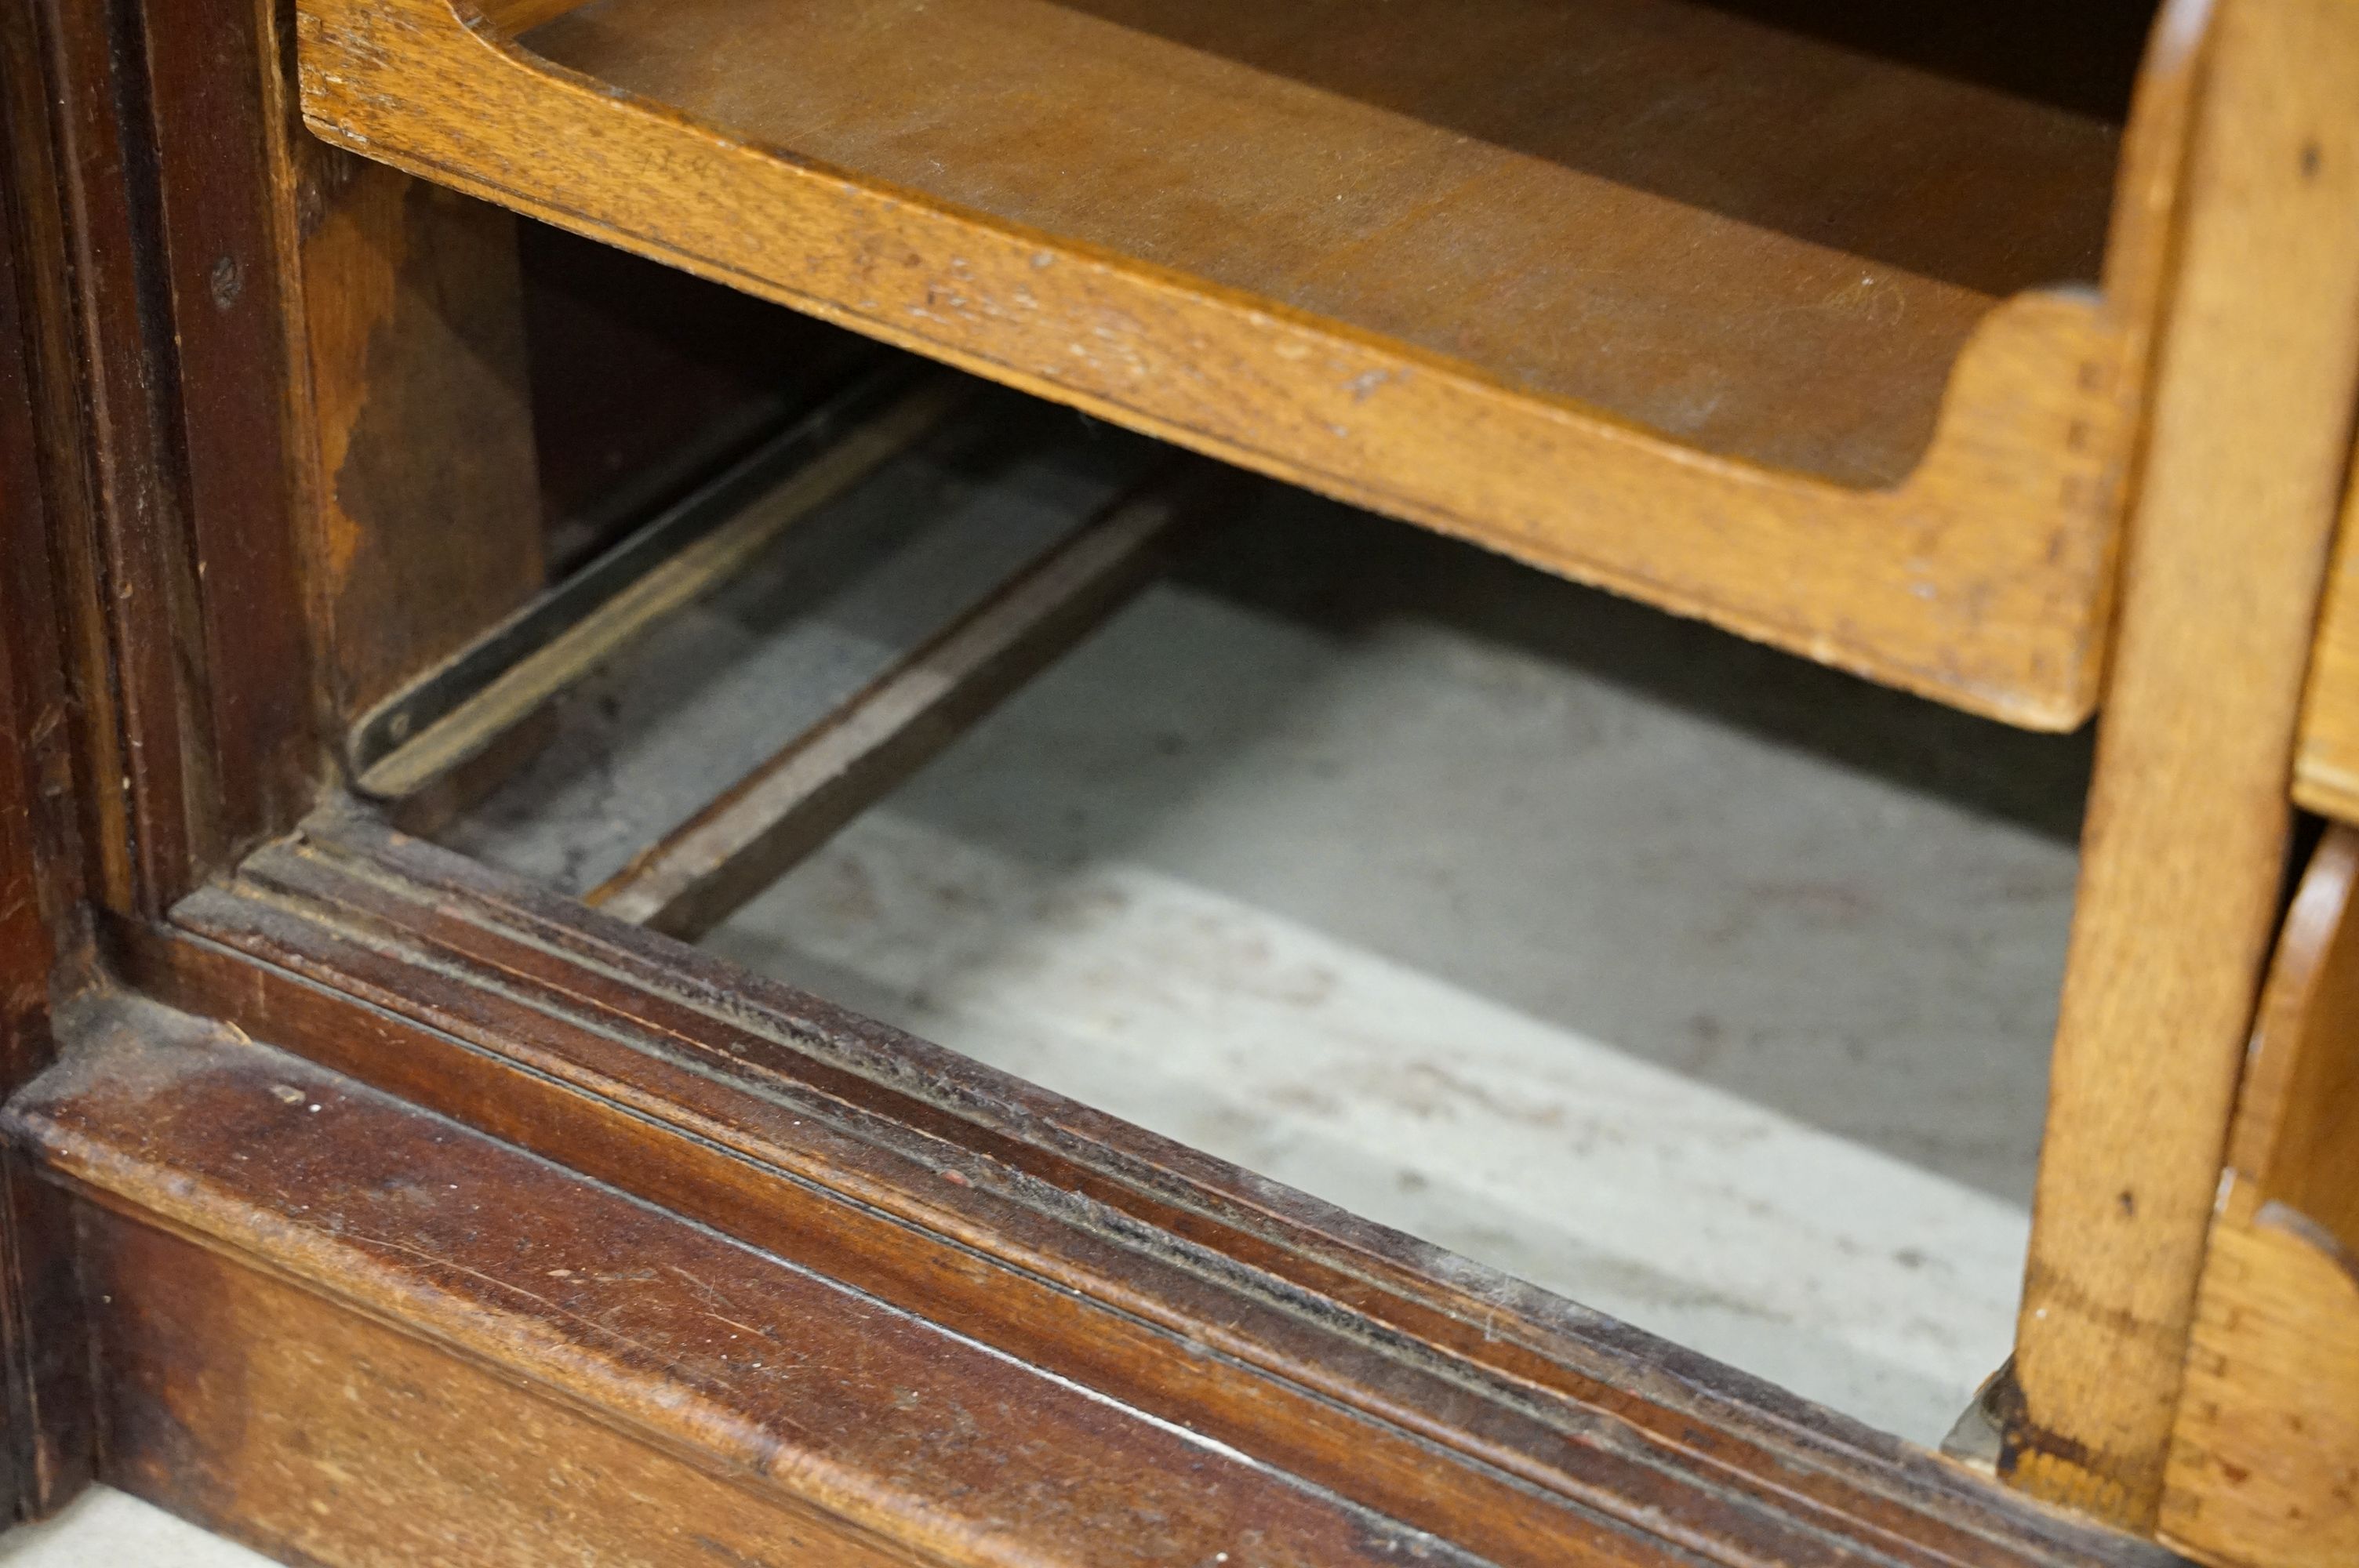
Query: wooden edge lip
x: 2306, y: 944
x: 2038, y: 672
x: 2281, y: 1216
x: 2321, y: 786
x: 1734, y: 1434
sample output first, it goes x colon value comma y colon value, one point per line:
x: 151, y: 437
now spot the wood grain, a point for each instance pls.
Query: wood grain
x: 104, y: 362
x: 51, y: 556
x: 426, y: 522
x: 2264, y: 1468
x: 2183, y: 854
x: 2326, y: 764
x: 639, y: 1386
x: 2264, y: 1462
x: 215, y: 95
x: 2292, y: 1141
x: 45, y: 1429
x: 1980, y: 578
x: 1569, y: 196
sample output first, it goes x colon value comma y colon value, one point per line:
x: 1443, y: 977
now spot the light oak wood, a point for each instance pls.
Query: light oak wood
x: 2296, y: 1137
x: 2183, y: 854
x: 2264, y: 1464
x: 2326, y: 775
x: 2264, y: 1469
x: 1903, y: 458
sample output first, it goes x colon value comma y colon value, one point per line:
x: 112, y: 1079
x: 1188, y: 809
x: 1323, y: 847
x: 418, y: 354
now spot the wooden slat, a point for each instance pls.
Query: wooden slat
x: 2296, y: 1137
x: 546, y: 665
x: 1771, y: 386
x: 759, y: 827
x: 47, y: 1438
x: 2183, y: 852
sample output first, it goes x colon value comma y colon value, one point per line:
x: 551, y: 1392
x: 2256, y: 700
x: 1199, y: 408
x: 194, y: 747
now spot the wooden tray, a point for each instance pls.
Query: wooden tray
x: 1837, y: 352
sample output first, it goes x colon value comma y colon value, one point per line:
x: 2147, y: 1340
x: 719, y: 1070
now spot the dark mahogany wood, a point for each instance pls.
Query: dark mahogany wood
x: 45, y: 1448
x: 684, y: 1397
x: 224, y: 264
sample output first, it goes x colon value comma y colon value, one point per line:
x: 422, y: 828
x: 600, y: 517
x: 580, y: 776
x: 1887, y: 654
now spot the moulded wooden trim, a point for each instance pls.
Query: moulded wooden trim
x: 1510, y: 1422
x: 724, y: 1402
x: 1981, y: 581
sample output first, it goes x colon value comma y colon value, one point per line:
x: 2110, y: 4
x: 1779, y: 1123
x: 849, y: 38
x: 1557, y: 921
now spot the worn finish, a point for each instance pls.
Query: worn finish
x: 2265, y: 1459
x: 426, y: 512
x: 2181, y: 857
x: 213, y: 86
x: 83, y: 209
x: 1513, y: 1424
x: 1449, y: 180
x: 2264, y: 1469
x: 47, y: 1438
x: 685, y: 1384
x: 46, y: 569
x: 1979, y: 576
x: 499, y: 680
x: 317, y: 1433
x: 1943, y: 523
x: 760, y: 826
x: 45, y: 1445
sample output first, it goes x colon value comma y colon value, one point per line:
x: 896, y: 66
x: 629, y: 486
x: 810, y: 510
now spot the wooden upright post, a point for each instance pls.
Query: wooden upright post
x: 2184, y: 855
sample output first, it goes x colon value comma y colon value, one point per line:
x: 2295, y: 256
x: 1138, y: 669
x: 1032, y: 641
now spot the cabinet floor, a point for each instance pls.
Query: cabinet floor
x: 1708, y: 988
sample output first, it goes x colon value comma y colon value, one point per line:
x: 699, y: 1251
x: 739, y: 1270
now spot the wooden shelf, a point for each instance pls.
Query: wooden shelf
x: 1833, y: 351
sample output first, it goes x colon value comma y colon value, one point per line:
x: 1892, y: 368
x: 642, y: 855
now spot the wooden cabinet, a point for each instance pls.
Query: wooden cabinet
x: 371, y: 1203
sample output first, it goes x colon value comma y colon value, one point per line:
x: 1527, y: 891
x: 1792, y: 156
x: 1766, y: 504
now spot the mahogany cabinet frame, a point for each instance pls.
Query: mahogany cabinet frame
x: 369, y: 1205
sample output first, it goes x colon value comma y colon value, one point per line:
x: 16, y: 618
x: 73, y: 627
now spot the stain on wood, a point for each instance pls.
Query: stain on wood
x: 429, y: 524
